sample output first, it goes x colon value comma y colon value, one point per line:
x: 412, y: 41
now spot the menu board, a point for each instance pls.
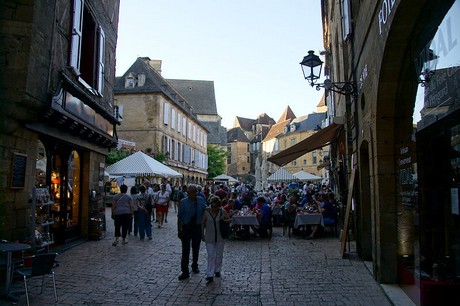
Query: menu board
x: 18, y: 170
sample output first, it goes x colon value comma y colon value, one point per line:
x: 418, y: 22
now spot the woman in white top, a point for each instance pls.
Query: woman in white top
x: 162, y: 202
x: 211, y: 235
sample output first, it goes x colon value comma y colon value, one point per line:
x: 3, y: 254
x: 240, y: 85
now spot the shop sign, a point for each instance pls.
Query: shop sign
x: 406, y: 177
x: 442, y: 87
x: 384, y: 13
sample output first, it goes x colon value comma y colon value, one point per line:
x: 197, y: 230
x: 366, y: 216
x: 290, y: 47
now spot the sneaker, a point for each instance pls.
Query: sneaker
x: 159, y: 226
x: 217, y: 274
x: 150, y: 238
x: 196, y: 271
x: 184, y: 276
x: 115, y: 243
x: 209, y: 279
x: 124, y: 242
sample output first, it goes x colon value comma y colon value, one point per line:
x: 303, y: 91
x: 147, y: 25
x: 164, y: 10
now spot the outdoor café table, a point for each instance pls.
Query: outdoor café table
x: 308, y: 219
x: 9, y: 248
x: 245, y: 220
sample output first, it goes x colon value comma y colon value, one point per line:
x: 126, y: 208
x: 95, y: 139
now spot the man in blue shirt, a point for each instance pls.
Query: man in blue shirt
x: 189, y: 215
x: 264, y: 216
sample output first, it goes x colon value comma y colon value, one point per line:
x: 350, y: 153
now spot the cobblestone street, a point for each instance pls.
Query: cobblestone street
x: 280, y: 271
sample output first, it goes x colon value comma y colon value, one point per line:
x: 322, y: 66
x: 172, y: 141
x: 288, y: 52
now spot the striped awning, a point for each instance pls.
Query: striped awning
x: 282, y: 175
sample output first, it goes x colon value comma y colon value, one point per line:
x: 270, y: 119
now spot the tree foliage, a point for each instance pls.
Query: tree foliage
x: 116, y: 155
x: 217, y: 159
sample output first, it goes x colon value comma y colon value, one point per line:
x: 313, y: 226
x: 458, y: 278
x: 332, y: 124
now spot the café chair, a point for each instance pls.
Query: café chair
x: 18, y: 260
x: 287, y: 224
x: 42, y: 264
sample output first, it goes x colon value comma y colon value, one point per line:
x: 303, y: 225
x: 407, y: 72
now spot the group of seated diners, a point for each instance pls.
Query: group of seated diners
x: 280, y: 209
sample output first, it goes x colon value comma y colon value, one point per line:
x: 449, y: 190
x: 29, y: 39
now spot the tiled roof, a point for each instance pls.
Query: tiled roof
x: 288, y: 114
x: 154, y: 83
x: 236, y: 135
x: 200, y: 95
x: 277, y: 129
x: 245, y: 123
x: 265, y: 119
x: 217, y: 133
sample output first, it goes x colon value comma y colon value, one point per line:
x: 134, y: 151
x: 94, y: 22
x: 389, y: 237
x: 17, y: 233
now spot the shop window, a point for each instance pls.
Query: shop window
x: 40, y: 165
x: 87, y: 48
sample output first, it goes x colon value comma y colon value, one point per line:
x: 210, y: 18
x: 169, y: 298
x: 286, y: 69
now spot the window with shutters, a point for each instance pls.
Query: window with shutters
x: 87, y: 50
x: 166, y: 114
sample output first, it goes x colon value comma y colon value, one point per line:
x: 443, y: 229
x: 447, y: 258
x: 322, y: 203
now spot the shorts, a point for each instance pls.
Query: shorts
x: 161, y: 208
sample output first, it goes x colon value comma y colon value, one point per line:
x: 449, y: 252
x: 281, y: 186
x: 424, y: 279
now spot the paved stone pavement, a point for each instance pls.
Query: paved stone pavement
x: 280, y: 271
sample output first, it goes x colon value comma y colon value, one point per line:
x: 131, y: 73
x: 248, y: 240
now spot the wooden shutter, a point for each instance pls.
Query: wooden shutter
x: 75, y: 48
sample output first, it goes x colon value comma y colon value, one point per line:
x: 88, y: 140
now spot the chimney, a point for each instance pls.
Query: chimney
x: 155, y: 64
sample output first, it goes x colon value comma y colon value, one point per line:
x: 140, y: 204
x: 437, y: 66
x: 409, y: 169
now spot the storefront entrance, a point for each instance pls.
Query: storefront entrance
x: 63, y: 174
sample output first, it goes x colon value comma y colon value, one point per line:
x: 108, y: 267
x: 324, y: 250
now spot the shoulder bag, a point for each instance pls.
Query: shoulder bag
x: 224, y: 228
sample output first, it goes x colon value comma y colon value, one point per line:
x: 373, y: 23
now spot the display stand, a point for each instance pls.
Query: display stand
x: 42, y: 219
x: 96, y: 225
x: 345, y: 235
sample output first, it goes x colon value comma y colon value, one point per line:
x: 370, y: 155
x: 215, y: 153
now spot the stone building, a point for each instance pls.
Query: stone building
x: 58, y: 120
x: 270, y: 145
x: 297, y: 130
x: 384, y: 59
x: 255, y: 130
x: 202, y: 98
x: 161, y: 121
x: 238, y: 162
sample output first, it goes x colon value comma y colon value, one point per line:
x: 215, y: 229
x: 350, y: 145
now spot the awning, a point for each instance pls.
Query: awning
x: 318, y: 140
x: 282, y: 175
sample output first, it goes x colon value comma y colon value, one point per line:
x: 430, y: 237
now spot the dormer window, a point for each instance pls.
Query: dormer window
x: 293, y: 128
x: 141, y: 80
x: 130, y: 82
x: 285, y: 129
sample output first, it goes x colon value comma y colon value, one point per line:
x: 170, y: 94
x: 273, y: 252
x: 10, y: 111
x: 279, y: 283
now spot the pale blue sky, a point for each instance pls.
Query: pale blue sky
x: 251, y: 49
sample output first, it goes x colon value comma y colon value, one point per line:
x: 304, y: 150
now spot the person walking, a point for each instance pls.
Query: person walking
x: 122, y: 211
x: 145, y: 225
x: 162, y: 203
x: 149, y: 190
x: 135, y: 230
x: 189, y: 216
x: 211, y: 235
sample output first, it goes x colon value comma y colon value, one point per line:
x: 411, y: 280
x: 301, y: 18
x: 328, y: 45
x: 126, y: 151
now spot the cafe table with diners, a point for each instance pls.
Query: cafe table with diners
x: 244, y: 218
x: 306, y: 217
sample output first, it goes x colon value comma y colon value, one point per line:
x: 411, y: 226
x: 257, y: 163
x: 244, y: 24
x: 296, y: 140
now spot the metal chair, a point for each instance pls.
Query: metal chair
x: 42, y: 264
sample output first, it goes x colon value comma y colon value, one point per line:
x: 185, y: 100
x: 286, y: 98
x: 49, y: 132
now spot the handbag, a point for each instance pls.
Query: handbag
x: 224, y: 229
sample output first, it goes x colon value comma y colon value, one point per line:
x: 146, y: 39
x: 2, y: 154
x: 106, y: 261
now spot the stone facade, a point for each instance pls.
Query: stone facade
x: 54, y: 99
x: 379, y: 53
x: 159, y: 120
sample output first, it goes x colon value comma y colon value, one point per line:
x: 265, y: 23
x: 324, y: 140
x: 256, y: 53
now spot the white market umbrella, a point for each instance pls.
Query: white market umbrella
x: 140, y: 164
x: 282, y: 175
x: 305, y: 176
x: 225, y: 177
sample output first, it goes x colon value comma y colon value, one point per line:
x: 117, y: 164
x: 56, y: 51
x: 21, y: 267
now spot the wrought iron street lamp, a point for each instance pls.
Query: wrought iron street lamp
x: 311, y: 68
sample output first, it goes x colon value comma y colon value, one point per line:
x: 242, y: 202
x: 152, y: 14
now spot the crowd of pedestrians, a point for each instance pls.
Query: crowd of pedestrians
x: 200, y: 210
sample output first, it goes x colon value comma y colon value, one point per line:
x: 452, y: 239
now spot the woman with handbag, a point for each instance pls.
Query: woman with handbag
x: 122, y: 212
x: 211, y: 235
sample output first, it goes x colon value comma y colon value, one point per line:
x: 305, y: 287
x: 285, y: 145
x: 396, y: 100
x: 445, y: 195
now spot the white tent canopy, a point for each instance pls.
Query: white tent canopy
x: 225, y: 178
x: 305, y: 176
x: 282, y: 175
x: 140, y: 164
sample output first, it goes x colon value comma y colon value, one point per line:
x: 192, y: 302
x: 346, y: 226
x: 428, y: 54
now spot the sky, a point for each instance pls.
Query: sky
x: 250, y: 49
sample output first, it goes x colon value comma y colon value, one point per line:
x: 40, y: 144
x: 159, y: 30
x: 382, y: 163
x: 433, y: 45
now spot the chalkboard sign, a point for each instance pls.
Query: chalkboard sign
x: 18, y: 171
